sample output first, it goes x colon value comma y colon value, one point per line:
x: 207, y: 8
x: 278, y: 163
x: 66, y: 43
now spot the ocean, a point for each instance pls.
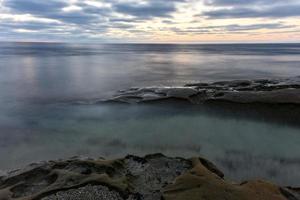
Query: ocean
x: 47, y: 109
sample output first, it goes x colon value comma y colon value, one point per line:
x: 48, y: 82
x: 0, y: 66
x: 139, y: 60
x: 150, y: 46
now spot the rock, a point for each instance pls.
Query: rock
x: 152, y: 177
x: 200, y: 183
x: 281, y: 91
x: 89, y: 192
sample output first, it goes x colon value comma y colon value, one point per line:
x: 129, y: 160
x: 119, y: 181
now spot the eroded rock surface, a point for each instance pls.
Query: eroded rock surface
x: 152, y: 177
x: 89, y: 192
x: 239, y: 91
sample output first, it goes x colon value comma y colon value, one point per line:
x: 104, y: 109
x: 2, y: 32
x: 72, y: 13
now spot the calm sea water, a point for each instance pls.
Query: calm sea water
x: 39, y: 84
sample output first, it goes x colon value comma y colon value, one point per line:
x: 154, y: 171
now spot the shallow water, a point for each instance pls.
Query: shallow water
x: 40, y: 120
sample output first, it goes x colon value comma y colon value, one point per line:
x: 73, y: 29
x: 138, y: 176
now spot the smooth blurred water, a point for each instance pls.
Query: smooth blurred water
x: 39, y: 84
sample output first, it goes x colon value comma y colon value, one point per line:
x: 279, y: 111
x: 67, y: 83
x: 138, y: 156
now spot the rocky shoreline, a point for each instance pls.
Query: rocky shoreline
x: 152, y: 177
x: 276, y: 91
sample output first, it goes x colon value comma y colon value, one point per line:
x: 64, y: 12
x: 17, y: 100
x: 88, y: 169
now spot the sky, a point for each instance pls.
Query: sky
x: 150, y: 21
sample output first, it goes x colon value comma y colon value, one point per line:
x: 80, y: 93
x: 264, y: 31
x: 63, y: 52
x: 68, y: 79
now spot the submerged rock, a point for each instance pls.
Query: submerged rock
x: 282, y: 91
x: 152, y: 177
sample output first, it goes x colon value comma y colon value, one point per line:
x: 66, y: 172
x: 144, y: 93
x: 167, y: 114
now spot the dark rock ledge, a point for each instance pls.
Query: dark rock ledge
x: 134, y: 178
x: 280, y: 91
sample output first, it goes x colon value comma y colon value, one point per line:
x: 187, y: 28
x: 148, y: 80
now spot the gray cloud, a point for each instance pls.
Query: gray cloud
x: 87, y: 13
x: 252, y: 8
x: 38, y: 7
x: 244, y: 2
x: 232, y: 28
x: 77, y: 17
x: 236, y: 27
x: 126, y: 20
x: 273, y: 12
x: 53, y: 9
x: 29, y: 25
x: 153, y: 8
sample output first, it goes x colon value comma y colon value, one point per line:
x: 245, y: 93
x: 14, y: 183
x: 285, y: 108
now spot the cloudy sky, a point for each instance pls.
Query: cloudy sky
x: 150, y: 20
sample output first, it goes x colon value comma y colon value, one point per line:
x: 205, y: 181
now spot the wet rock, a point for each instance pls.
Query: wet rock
x: 281, y: 91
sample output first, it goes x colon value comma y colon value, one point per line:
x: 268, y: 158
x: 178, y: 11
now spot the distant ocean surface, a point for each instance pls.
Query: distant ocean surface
x: 39, y: 121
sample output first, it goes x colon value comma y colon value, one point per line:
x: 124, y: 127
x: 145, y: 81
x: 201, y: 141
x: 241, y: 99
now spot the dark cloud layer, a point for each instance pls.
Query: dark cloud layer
x: 39, y: 7
x: 154, y: 8
x: 52, y: 9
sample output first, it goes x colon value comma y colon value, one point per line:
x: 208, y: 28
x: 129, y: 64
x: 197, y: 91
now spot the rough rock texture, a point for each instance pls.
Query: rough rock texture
x: 201, y: 183
x: 134, y: 178
x: 88, y: 192
x: 239, y: 91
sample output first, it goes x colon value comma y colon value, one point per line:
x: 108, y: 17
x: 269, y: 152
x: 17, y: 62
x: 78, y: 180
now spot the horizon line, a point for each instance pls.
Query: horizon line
x: 156, y: 43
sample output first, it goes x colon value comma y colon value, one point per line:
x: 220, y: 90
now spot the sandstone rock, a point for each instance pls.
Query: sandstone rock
x: 152, y: 177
